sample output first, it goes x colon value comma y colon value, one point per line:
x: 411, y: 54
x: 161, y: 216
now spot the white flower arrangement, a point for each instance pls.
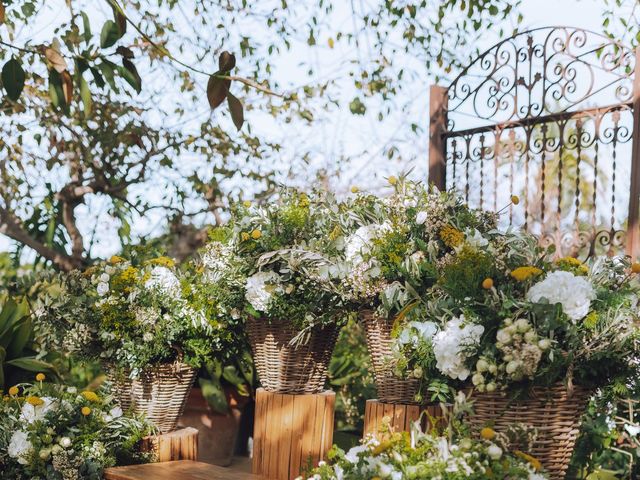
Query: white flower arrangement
x: 574, y: 293
x: 450, y: 345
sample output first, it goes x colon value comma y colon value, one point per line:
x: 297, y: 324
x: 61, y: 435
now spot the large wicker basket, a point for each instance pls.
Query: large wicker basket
x: 391, y: 389
x: 283, y: 368
x: 160, y: 392
x: 554, y: 413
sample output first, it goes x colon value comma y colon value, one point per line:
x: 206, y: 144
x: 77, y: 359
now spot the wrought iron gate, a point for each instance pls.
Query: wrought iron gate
x: 550, y: 115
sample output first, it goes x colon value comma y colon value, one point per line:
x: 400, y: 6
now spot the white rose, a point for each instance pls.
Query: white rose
x: 494, y: 451
x: 572, y: 292
x: 104, y: 277
x: 103, y: 288
x: 65, y: 442
x: 421, y: 217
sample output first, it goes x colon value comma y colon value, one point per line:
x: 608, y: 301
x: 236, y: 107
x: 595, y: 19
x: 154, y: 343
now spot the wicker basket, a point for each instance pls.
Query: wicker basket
x: 160, y: 392
x: 283, y: 368
x: 391, y: 389
x: 552, y: 411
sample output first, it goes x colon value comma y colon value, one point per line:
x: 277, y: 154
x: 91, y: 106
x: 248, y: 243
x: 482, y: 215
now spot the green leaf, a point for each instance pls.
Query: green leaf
x: 13, y: 79
x: 110, y: 34
x: 31, y: 364
x: 85, y: 96
x: 130, y: 74
x: 217, y: 89
x: 21, y: 336
x: 213, y: 393
x: 87, y: 27
x: 99, y: 79
x: 108, y: 71
x: 55, y: 89
x: 237, y: 112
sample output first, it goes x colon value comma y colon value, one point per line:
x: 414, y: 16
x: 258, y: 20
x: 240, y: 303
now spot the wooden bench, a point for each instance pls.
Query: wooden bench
x: 180, y: 470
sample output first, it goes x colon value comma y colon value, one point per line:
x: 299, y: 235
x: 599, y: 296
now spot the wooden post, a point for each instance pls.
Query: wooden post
x: 399, y: 416
x: 291, y: 432
x: 180, y: 444
x: 633, y: 226
x: 438, y: 103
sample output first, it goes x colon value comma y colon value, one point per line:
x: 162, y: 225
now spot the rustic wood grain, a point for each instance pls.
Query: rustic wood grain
x: 179, y: 470
x: 180, y: 444
x: 291, y: 432
x: 401, y: 416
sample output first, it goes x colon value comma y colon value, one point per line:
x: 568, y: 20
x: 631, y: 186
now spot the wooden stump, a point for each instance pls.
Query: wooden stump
x: 180, y: 444
x: 400, y: 416
x: 291, y: 432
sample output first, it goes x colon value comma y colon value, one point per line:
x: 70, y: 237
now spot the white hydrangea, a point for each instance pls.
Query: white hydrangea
x: 421, y: 217
x: 31, y: 413
x: 573, y: 292
x: 20, y: 447
x: 450, y: 343
x: 165, y: 280
x: 260, y: 288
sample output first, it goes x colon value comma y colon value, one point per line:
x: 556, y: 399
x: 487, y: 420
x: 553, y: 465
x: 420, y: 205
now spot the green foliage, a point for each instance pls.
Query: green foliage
x: 18, y: 360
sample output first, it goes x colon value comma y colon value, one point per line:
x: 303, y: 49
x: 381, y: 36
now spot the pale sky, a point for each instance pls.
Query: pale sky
x: 347, y: 133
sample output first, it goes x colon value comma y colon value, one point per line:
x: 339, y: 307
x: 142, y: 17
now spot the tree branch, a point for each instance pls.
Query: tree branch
x: 10, y: 226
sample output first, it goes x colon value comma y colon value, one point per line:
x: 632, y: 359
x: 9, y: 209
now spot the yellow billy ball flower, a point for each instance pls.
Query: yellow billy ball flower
x: 115, y: 260
x: 35, y: 401
x: 392, y: 180
x: 635, y: 267
x: 40, y: 377
x: 86, y: 411
x: 533, y: 461
x: 525, y: 273
x: 488, y: 433
x: 13, y: 391
x: 256, y: 234
x: 246, y: 203
x: 245, y: 236
x: 487, y: 283
x: 90, y: 396
x: 354, y: 189
x: 515, y: 199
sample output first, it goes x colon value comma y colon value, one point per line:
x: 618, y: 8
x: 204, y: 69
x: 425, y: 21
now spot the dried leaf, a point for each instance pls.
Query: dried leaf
x: 2, y: 12
x: 67, y: 86
x: 55, y: 59
x: 236, y: 109
x: 217, y: 89
x: 226, y: 61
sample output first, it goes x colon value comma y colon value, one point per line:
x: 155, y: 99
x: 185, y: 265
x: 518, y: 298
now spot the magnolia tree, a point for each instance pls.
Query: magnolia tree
x: 108, y: 121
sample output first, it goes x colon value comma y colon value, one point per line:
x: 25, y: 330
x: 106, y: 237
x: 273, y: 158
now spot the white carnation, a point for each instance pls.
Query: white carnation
x: 574, y: 293
x: 449, y: 346
x: 260, y: 288
x: 20, y: 447
x: 165, y: 280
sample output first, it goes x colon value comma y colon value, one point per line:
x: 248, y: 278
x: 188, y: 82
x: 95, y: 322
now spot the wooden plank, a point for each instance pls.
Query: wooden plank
x: 296, y: 435
x: 180, y: 444
x: 413, y: 414
x: 399, y: 413
x: 283, y: 437
x: 258, y: 431
x: 327, y: 426
x: 307, y: 435
x: 178, y: 470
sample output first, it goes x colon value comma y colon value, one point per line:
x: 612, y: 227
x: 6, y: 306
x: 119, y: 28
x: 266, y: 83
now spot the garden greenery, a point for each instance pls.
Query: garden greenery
x: 57, y: 432
x: 127, y: 315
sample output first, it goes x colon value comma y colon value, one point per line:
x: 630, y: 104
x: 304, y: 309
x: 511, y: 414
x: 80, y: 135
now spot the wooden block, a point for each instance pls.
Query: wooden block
x: 180, y: 444
x: 179, y: 470
x: 400, y: 416
x: 291, y: 433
